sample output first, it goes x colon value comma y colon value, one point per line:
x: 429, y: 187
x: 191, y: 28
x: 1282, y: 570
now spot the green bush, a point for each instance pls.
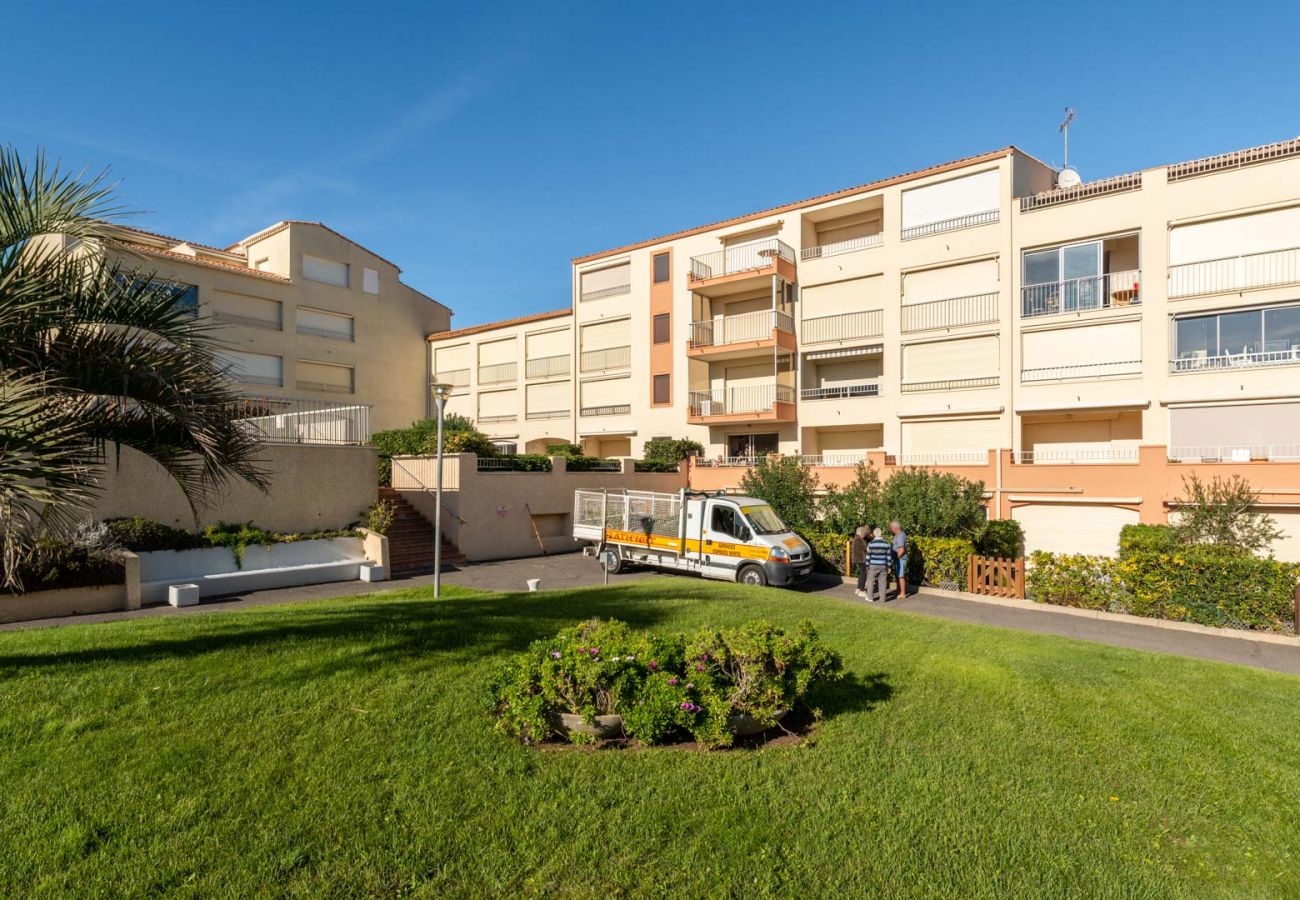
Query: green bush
x: 141, y: 535
x: 856, y: 504
x: 379, y: 518
x: 1148, y: 538
x: 936, y: 504
x: 530, y: 462
x: 671, y: 451
x: 650, y: 465
x: 421, y: 439
x: 939, y: 561
x: 788, y: 486
x: 57, y: 564
x: 828, y: 549
x: 1001, y: 539
x: 1073, y: 579
x: 563, y: 450
x: 584, y: 463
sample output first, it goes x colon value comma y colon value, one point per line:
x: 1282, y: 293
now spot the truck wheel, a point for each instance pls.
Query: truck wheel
x: 752, y: 575
x: 611, y: 562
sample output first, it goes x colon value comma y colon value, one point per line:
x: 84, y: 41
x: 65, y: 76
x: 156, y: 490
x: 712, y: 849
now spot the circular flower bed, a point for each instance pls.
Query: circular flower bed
x: 602, y: 679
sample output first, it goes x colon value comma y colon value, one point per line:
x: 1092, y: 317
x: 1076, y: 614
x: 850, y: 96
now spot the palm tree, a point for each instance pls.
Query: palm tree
x: 97, y: 355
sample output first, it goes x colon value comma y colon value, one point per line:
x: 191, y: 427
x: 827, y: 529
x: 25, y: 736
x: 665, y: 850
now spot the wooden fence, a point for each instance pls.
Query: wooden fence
x: 996, y: 577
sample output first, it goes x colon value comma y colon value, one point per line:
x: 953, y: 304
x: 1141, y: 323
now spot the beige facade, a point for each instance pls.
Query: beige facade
x: 307, y: 315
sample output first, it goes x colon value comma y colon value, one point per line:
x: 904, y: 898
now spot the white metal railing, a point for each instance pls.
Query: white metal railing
x: 497, y: 373
x: 618, y: 409
x: 1235, y: 160
x: 1078, y: 456
x: 1263, y: 359
x: 844, y: 326
x: 265, y: 380
x: 949, y: 384
x: 612, y: 291
x: 759, y: 398
x: 842, y: 391
x: 832, y: 460
x: 453, y: 377
x: 1235, y: 273
x: 334, y: 334
x: 741, y: 258
x: 727, y: 462
x: 500, y: 417
x: 325, y: 387
x: 755, y: 326
x: 1083, y: 370
x: 608, y: 358
x: 547, y: 414
x: 1113, y: 289
x: 834, y: 248
x: 1235, y: 453
x: 949, y: 312
x: 944, y: 458
x: 281, y: 421
x: 547, y: 366
x: 1114, y: 185
x: 953, y: 224
x: 250, y: 321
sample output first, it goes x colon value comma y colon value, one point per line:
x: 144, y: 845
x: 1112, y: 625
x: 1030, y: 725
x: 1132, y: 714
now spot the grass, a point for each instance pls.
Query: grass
x: 341, y: 748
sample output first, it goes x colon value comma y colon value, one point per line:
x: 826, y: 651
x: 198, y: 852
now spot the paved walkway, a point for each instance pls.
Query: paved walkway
x: 575, y: 570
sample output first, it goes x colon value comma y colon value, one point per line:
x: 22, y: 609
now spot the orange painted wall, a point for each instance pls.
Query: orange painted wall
x: 661, y: 355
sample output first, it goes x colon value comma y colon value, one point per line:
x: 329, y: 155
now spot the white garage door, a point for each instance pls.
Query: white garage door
x: 1287, y: 547
x: 1073, y: 527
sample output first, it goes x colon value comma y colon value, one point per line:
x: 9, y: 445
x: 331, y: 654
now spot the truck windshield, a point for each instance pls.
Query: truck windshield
x: 764, y: 519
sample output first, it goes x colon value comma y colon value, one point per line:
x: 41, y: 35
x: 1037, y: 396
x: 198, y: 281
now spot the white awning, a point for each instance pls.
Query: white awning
x: 1073, y: 407
x: 845, y: 352
x: 615, y: 433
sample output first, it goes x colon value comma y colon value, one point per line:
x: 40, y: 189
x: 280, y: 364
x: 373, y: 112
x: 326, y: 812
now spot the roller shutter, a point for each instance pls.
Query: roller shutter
x: 953, y: 199
x: 1073, y: 527
x: 604, y: 335
x: 965, y: 280
x: 325, y: 324
x: 548, y: 343
x: 854, y: 295
x: 951, y: 435
x: 494, y: 353
x: 325, y: 377
x: 948, y: 360
x: 549, y: 397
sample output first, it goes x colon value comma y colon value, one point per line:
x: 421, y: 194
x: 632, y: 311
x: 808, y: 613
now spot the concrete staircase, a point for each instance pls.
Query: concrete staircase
x: 410, y: 539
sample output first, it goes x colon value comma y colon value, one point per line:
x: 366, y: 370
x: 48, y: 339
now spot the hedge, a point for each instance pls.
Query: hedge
x: 939, y: 561
x: 1204, y: 584
x: 1157, y: 538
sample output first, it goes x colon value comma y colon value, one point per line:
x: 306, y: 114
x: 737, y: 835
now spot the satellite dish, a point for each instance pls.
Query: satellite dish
x: 1068, y: 178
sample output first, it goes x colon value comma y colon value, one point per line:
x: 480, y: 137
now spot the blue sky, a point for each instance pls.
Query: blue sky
x: 481, y: 146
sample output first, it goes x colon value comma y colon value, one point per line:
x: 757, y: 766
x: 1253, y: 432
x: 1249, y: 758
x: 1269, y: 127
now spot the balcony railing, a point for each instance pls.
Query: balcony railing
x: 1235, y: 273
x: 282, y: 421
x: 608, y: 358
x: 1108, y: 291
x: 264, y: 380
x: 834, y: 248
x: 760, y: 398
x: 755, y: 326
x: 547, y: 366
x: 742, y: 258
x: 842, y: 391
x: 250, y: 321
x: 1238, y: 453
x: 620, y: 409
x: 548, y: 414
x: 500, y: 417
x: 953, y: 224
x: 453, y: 377
x: 949, y: 384
x: 1084, y: 370
x: 324, y: 387
x: 950, y: 312
x: 944, y: 458
x: 1236, y: 160
x: 498, y: 373
x: 488, y: 464
x: 612, y: 291
x: 1078, y: 456
x: 334, y: 334
x: 843, y: 327
x: 1264, y: 359
x: 726, y: 462
x: 833, y: 460
x: 1101, y: 187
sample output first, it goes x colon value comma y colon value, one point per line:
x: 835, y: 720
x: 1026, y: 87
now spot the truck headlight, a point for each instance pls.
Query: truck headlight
x: 778, y: 554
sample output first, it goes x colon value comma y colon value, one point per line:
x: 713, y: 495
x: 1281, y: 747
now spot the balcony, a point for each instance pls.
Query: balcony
x: 1260, y: 360
x: 950, y: 312
x: 503, y: 417
x: 833, y: 460
x: 227, y: 318
x: 1113, y: 290
x: 1056, y: 196
x: 742, y: 334
x: 954, y: 224
x: 1272, y: 268
x: 547, y: 366
x: 835, y: 248
x: 1077, y: 456
x: 605, y: 359
x: 1085, y: 370
x: 756, y: 403
x: 457, y: 378
x: 1235, y: 453
x: 498, y: 373
x: 867, y: 323
x: 738, y: 267
x: 842, y: 391
x: 1237, y: 160
x: 547, y: 414
x: 324, y: 387
x: 944, y: 458
x: 949, y: 384
x: 618, y: 409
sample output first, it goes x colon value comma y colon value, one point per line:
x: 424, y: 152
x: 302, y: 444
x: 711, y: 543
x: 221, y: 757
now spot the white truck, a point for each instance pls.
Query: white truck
x: 714, y: 535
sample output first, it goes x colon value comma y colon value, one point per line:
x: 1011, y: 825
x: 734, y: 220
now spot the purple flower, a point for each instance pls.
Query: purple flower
x: 699, y: 667
x: 653, y: 664
x: 594, y: 651
x: 686, y: 705
x: 689, y: 686
x: 673, y: 681
x: 555, y: 654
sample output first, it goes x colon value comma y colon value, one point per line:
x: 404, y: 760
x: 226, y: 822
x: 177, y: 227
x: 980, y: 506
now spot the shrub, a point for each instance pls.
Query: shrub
x: 856, y: 504
x: 936, y: 504
x: 1001, y: 539
x: 1149, y: 538
x: 530, y: 462
x: 1211, y: 585
x: 671, y: 451
x: 380, y: 517
x: 583, y: 463
x: 786, y: 484
x: 421, y: 438
x: 828, y: 549
x: 1224, y: 511
x: 58, y: 564
x: 563, y: 450
x: 1073, y: 579
x: 141, y: 535
x: 939, y: 561
x: 650, y: 465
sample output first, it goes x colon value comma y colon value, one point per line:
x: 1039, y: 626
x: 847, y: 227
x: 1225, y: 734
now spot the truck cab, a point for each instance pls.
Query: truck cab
x: 744, y: 540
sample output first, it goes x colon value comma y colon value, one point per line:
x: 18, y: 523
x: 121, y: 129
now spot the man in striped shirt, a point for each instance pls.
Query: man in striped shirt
x: 877, y: 567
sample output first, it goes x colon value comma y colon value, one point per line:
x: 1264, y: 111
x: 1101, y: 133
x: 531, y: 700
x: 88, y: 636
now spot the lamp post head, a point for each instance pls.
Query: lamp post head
x: 440, y: 391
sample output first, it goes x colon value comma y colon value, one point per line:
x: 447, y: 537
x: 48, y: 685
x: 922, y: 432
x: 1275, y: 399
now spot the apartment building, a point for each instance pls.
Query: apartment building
x: 312, y: 321
x: 1077, y: 348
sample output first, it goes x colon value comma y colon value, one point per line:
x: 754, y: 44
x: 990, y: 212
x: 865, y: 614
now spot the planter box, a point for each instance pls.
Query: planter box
x: 62, y: 602
x: 215, y: 571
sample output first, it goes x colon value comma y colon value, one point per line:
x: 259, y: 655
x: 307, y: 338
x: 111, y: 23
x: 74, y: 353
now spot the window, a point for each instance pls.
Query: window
x: 1249, y: 332
x: 661, y: 267
x: 370, y: 281
x: 325, y: 271
x: 252, y: 368
x: 325, y: 377
x: 186, y: 296
x: 662, y: 328
x: 724, y: 520
x: 661, y: 389
x: 318, y: 323
x: 506, y: 448
x: 753, y: 445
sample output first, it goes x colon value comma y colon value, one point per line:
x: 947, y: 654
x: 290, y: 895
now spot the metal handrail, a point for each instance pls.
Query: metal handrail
x: 611, y: 291
x: 497, y: 373
x: 1106, y: 291
x: 754, y: 326
x: 322, y: 387
x: 860, y: 323
x: 944, y: 458
x: 621, y: 409
x: 1263, y: 359
x: 250, y: 321
x: 1234, y: 453
x: 1113, y: 185
x: 503, y: 417
x: 948, y: 312
x: 428, y: 490
x: 243, y: 378
x: 279, y: 420
x: 333, y: 335
x: 1208, y: 165
x: 1083, y: 370
x: 1078, y: 456
x: 740, y: 258
x: 453, y: 377
x: 842, y: 391
x: 1266, y: 268
x: 548, y: 414
x: 949, y: 384
x: 953, y: 224
x: 607, y: 358
x: 834, y: 248
x: 833, y: 460
x: 547, y: 366
x: 759, y: 398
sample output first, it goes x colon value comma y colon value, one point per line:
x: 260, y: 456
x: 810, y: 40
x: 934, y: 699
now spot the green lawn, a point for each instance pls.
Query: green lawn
x: 342, y: 748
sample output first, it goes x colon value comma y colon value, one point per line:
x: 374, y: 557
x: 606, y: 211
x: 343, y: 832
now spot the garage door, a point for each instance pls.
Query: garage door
x: 1073, y: 527
x: 1287, y: 547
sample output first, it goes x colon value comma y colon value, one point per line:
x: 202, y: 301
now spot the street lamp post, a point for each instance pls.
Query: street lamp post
x: 440, y: 394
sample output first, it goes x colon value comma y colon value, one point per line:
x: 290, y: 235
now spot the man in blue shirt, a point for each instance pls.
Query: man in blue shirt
x: 900, y: 548
x: 877, y: 567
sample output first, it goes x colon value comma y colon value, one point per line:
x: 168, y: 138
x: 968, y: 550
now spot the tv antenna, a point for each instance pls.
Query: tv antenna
x: 1067, y: 178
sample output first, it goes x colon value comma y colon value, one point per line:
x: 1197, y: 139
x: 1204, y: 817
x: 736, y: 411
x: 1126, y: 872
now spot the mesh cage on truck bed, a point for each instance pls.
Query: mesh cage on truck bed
x: 643, y: 512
